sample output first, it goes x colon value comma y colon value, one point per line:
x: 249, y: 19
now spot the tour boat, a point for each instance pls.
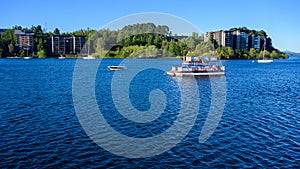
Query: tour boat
x: 198, y: 66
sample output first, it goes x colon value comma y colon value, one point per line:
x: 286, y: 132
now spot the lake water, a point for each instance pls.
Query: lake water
x: 42, y: 126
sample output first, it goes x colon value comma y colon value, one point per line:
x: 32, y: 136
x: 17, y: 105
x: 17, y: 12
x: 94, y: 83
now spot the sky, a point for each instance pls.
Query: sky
x: 279, y: 18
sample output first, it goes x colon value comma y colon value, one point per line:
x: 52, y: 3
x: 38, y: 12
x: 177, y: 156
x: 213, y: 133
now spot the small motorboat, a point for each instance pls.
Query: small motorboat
x: 117, y: 67
x: 61, y: 57
x: 89, y: 57
x: 27, y: 57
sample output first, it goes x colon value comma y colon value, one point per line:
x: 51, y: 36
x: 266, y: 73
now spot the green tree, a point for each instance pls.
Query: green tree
x: 56, y: 31
x: 127, y: 41
x: 8, y: 40
x: 11, y: 49
x: 157, y: 41
x: 246, y: 55
x: 22, y: 53
x: 238, y: 54
x: 262, y: 34
x: 100, y: 53
x: 204, y: 48
x: 172, y: 47
x: 41, y: 53
x: 230, y: 52
x: 37, y: 30
x: 192, y: 54
x: 40, y: 44
x: 183, y: 49
x: 225, y: 53
x: 195, y: 35
x: 283, y: 55
x: 264, y: 53
x: 163, y: 30
x: 252, y: 53
x: 274, y: 54
x: 100, y: 44
x: 39, y: 39
x: 17, y: 27
x: 269, y: 46
x: 165, y: 53
x: 165, y: 45
x: 214, y: 42
x: 1, y: 52
x: 149, y: 39
x: 190, y: 42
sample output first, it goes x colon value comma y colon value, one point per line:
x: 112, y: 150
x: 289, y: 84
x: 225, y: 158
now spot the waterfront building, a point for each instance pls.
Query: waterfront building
x: 241, y: 40
x: 61, y: 45
x: 24, y: 40
x: 78, y: 44
x: 237, y: 40
x: 227, y: 40
x: 255, y: 42
x: 58, y: 45
x: 68, y: 45
x: 223, y: 38
x: 217, y: 36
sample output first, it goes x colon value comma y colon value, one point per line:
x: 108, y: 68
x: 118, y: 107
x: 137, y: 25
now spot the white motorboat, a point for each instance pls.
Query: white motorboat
x: 117, y: 67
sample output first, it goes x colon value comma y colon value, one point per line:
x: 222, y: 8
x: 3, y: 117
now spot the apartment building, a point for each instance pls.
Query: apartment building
x: 58, y: 45
x: 227, y: 40
x: 223, y: 38
x: 78, y: 44
x: 61, y: 45
x: 24, y: 40
x: 241, y: 40
x: 255, y: 42
x: 217, y: 36
x: 237, y: 40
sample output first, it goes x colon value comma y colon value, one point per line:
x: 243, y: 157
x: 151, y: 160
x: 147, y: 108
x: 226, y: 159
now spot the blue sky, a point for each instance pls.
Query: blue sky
x: 279, y: 18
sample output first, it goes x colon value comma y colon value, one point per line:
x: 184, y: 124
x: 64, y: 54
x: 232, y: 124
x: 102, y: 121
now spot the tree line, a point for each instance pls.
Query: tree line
x: 149, y: 40
x: 138, y: 40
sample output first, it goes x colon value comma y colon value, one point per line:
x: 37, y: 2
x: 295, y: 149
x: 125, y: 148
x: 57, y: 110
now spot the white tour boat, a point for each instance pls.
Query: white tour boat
x: 198, y: 66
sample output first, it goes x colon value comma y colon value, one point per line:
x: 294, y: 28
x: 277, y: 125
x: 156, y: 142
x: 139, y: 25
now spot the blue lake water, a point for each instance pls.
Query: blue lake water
x: 41, y: 128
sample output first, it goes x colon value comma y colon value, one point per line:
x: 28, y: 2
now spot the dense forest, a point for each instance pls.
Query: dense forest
x: 138, y: 40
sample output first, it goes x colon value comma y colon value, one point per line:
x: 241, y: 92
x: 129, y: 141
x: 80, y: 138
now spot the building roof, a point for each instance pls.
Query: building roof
x: 179, y: 37
x: 3, y: 30
x: 23, y: 32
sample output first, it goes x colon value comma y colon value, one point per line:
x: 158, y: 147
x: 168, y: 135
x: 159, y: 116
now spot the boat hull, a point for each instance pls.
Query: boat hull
x: 264, y: 61
x: 171, y: 73
x: 198, y: 66
x: 89, y: 57
x: 117, y: 67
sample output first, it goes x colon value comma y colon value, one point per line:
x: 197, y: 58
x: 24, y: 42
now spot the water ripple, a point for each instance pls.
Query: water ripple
x: 259, y: 127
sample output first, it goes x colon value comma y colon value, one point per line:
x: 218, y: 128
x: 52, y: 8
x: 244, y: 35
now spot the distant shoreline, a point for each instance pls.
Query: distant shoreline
x: 162, y: 58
